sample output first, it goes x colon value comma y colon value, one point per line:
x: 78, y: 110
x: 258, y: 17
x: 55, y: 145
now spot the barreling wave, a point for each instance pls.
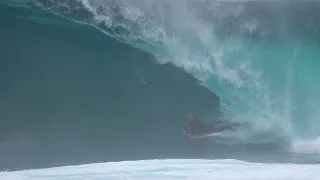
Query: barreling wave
x: 259, y: 57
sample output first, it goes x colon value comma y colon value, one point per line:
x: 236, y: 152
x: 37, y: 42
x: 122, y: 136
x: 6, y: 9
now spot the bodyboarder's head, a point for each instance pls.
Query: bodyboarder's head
x: 191, y: 116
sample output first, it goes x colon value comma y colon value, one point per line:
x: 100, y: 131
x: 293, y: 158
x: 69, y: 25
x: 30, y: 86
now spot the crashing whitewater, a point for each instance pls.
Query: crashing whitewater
x: 171, y: 169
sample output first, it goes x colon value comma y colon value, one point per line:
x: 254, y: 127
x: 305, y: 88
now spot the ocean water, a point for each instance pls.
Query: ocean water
x: 102, y: 80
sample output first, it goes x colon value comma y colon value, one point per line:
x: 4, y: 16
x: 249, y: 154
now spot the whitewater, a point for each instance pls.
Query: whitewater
x: 170, y: 170
x: 258, y: 57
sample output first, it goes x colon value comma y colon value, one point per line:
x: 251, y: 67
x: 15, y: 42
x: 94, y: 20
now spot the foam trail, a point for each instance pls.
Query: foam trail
x: 171, y: 169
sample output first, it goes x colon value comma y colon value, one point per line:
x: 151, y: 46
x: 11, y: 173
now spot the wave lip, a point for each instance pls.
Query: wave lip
x: 171, y: 169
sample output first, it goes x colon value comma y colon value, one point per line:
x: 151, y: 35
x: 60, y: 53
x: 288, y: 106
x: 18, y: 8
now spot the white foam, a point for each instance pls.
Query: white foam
x: 171, y: 169
x: 310, y: 147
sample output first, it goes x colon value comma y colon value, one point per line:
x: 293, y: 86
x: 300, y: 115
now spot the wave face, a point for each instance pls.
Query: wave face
x: 259, y: 57
x: 71, y: 95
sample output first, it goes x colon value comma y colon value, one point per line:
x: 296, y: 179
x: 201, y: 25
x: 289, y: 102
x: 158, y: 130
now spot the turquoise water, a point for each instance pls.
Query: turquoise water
x: 262, y: 63
x: 260, y: 58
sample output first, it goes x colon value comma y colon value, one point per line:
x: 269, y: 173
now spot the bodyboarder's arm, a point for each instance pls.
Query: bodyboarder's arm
x: 191, y: 130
